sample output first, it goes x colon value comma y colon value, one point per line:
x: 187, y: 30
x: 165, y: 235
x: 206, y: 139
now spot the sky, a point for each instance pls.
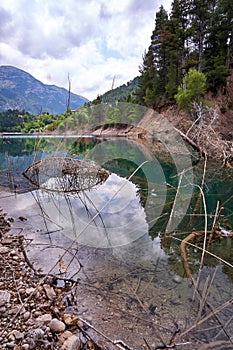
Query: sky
x: 97, y: 43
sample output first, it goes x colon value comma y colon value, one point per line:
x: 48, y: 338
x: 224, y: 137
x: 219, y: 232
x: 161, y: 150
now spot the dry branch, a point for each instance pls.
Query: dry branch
x: 187, y: 239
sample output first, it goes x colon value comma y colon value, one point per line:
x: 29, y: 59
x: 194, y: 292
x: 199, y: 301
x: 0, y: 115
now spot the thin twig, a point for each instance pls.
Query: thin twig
x: 169, y: 224
x: 212, y: 313
x: 136, y: 296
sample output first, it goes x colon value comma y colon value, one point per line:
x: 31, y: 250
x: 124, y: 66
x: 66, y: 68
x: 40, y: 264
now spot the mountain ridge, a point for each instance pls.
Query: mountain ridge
x: 20, y: 90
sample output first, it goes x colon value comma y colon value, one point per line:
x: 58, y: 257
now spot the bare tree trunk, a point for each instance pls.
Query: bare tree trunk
x: 68, y: 109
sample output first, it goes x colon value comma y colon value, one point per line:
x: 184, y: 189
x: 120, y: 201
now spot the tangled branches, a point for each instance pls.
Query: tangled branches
x: 65, y: 174
x: 204, y: 135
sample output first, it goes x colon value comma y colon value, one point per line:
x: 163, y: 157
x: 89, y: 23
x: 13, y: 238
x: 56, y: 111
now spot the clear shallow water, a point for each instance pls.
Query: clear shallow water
x: 139, y: 279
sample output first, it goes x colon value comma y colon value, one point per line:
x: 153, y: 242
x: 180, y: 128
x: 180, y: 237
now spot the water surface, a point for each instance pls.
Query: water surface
x: 126, y: 234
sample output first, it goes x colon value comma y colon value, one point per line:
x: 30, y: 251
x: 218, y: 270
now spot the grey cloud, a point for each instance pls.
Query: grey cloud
x: 104, y: 13
x: 5, y: 24
x: 143, y: 6
x: 38, y: 47
x: 79, y: 32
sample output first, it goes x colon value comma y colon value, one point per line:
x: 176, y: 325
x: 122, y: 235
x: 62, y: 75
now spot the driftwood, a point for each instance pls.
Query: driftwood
x: 65, y: 174
x: 191, y: 142
x: 186, y: 240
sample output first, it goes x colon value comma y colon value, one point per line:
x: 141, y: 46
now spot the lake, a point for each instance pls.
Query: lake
x: 125, y: 230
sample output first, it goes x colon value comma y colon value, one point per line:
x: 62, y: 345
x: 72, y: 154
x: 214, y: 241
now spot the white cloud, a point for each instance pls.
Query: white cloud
x: 91, y: 40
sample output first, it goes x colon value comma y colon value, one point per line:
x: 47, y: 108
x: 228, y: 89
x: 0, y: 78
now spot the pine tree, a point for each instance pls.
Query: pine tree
x: 146, y: 80
x: 179, y: 26
x: 160, y: 39
x: 218, y: 53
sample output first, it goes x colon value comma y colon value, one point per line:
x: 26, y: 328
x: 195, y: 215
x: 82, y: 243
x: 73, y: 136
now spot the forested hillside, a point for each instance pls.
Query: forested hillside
x: 121, y: 93
x: 198, y: 35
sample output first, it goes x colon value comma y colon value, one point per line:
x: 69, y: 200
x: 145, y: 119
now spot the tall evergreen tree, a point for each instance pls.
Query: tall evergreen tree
x: 178, y: 53
x: 153, y: 80
x: 218, y: 53
x: 146, y: 80
x: 160, y: 39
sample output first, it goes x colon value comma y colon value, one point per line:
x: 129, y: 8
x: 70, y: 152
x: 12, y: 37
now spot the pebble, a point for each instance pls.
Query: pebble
x: 11, y: 337
x: 49, y: 291
x: 56, y: 326
x: 43, y: 319
x: 15, y: 257
x: 70, y: 319
x: 3, y: 309
x: 4, y: 250
x: 72, y: 343
x: 26, y: 315
x: 18, y: 335
x: 38, y: 333
x: 30, y: 290
x: 177, y: 279
x: 4, y: 297
x: 25, y: 347
x: 37, y: 313
x: 63, y: 336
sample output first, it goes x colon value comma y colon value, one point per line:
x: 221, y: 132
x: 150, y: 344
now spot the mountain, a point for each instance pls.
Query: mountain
x: 20, y: 90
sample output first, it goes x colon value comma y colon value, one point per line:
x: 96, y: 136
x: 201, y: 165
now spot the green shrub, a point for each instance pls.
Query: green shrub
x: 193, y: 88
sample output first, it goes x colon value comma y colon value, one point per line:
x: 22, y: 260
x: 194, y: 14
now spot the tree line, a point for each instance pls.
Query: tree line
x: 197, y: 35
x: 22, y: 121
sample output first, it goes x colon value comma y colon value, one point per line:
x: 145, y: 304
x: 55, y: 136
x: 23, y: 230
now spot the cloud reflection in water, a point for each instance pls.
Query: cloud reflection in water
x: 107, y: 216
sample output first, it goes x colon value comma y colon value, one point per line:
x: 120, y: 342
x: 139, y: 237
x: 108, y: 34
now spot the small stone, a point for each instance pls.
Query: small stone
x: 38, y: 334
x: 25, y: 347
x: 11, y: 337
x: 18, y: 335
x: 177, y: 279
x: 30, y: 291
x: 4, y: 297
x: 26, y: 315
x: 13, y: 252
x: 3, y: 309
x: 4, y: 250
x: 72, y: 343
x: 31, y: 343
x: 44, y: 319
x: 22, y: 218
x: 56, y: 326
x: 49, y: 291
x: 63, y: 336
x: 37, y: 313
x: 15, y: 257
x: 70, y: 319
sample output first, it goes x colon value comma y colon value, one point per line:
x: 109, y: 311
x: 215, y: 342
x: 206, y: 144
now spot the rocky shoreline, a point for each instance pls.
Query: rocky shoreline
x: 36, y: 312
